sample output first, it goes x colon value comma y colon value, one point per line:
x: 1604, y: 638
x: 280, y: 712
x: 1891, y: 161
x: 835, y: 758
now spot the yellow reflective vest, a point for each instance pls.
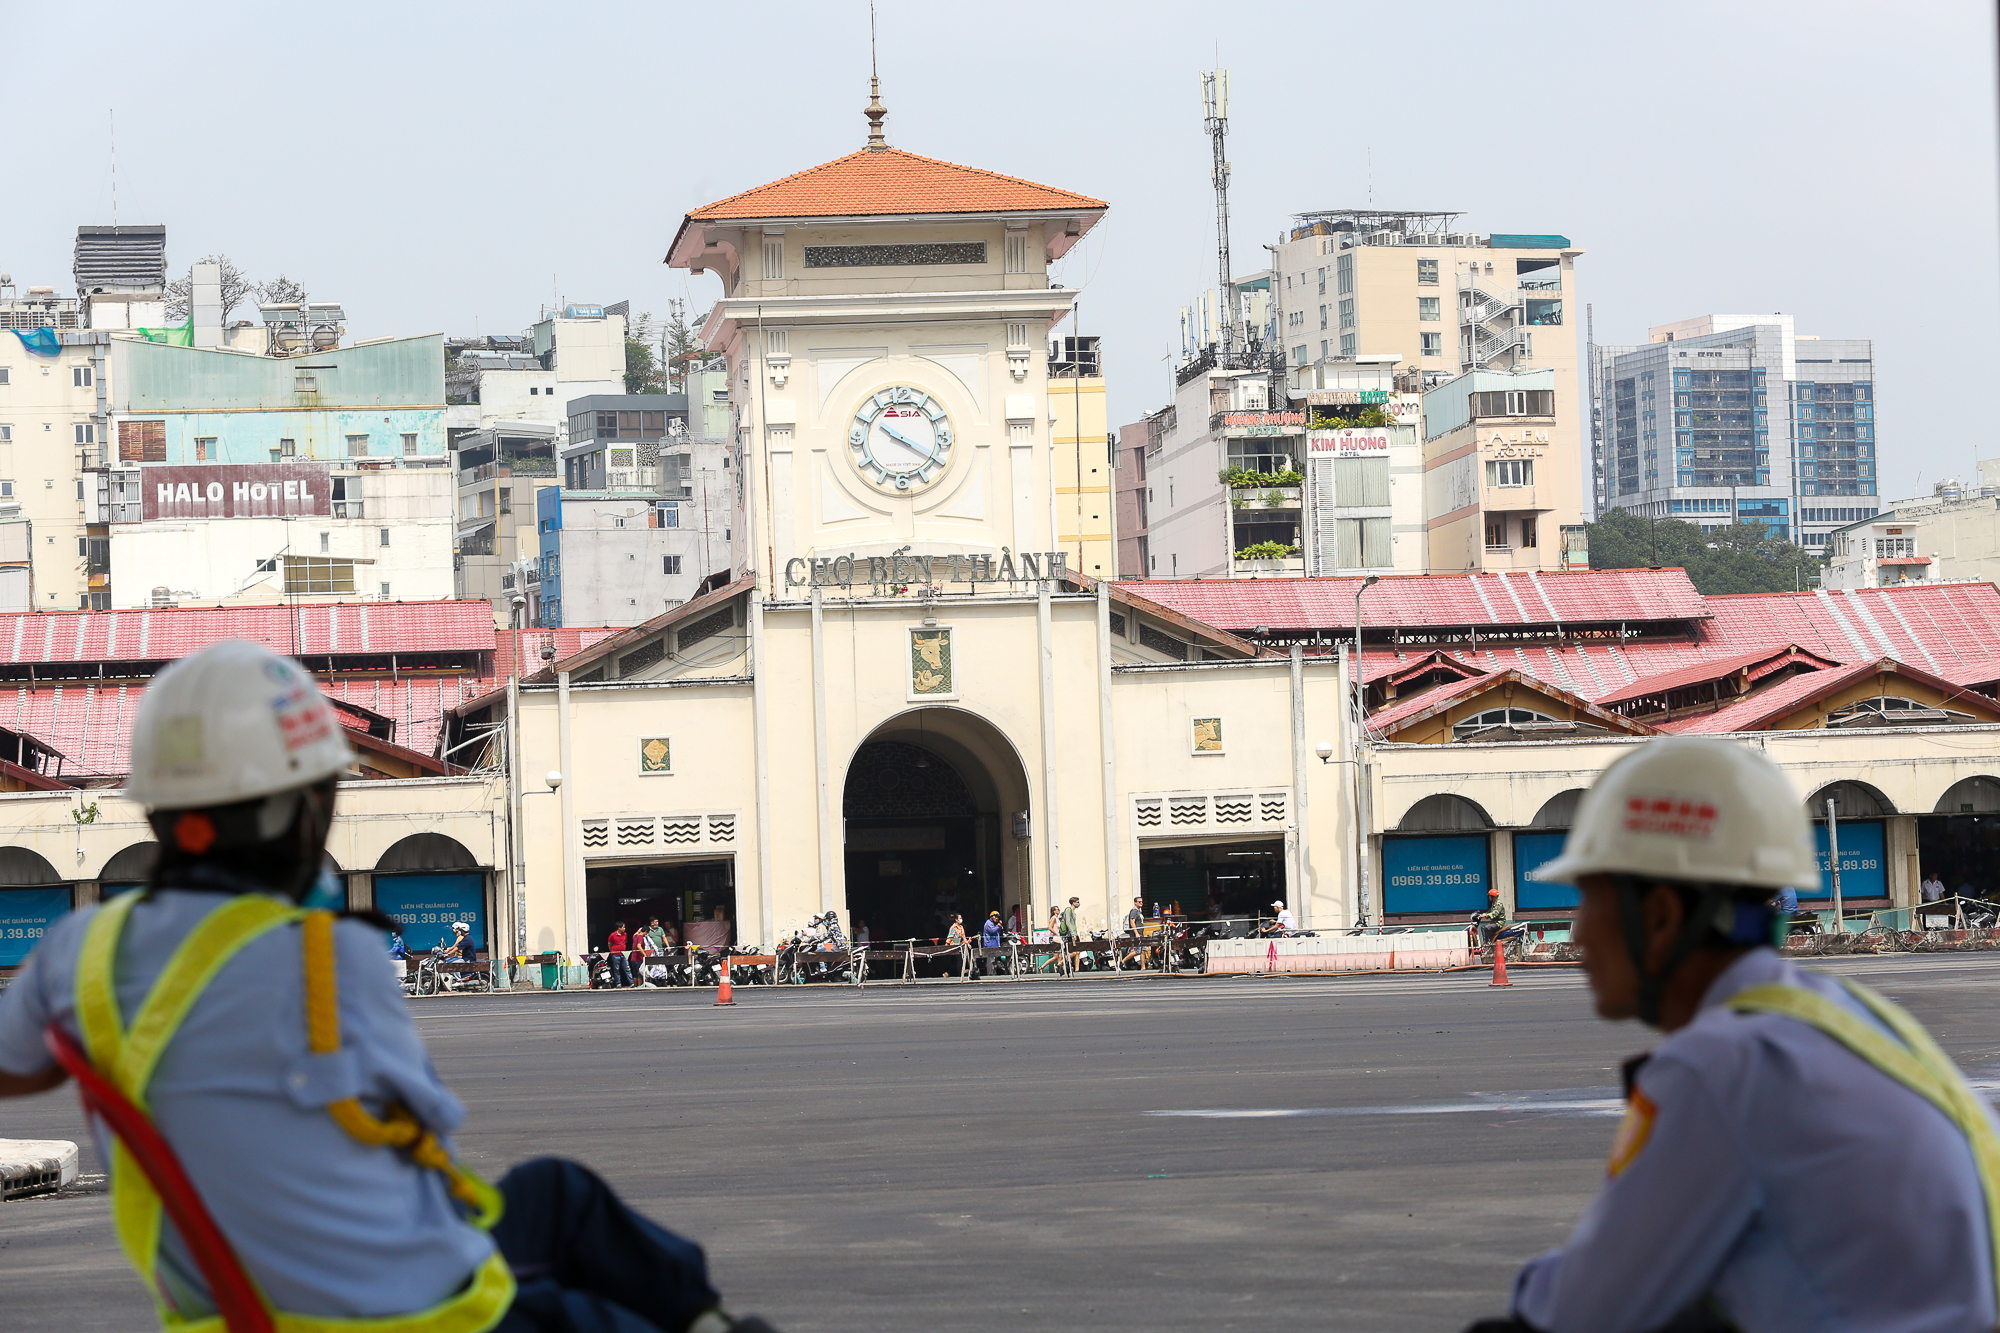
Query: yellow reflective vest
x: 127, y: 1057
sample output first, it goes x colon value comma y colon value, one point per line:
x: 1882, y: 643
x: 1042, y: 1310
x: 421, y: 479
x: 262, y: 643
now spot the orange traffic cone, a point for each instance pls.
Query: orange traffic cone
x: 722, y: 995
x: 1499, y: 964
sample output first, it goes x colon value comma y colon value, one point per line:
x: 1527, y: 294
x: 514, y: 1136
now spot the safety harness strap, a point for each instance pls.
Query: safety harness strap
x: 1918, y: 1064
x: 399, y: 1129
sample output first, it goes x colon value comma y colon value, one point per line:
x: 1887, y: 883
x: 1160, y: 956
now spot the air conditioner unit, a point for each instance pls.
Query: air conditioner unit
x: 1461, y: 239
x: 1384, y: 237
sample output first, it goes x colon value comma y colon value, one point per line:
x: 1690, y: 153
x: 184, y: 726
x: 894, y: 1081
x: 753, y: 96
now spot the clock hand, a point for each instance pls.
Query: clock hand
x: 906, y: 442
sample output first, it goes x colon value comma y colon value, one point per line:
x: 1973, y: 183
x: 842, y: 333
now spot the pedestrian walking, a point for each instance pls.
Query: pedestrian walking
x: 271, y: 1050
x: 1785, y: 1114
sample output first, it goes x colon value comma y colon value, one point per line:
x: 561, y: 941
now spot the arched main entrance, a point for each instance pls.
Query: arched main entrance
x: 928, y: 810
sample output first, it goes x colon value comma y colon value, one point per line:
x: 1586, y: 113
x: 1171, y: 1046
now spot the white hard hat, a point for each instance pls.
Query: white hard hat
x: 231, y: 723
x: 1279, y: 903
x: 1693, y: 808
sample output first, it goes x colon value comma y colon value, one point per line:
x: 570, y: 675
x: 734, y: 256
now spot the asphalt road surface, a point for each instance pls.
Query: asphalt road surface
x: 1371, y: 1153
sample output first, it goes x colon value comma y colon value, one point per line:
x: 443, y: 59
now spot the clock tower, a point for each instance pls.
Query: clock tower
x: 885, y: 318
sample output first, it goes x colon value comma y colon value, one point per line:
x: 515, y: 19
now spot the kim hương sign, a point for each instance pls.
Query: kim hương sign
x: 235, y: 490
x: 1348, y: 443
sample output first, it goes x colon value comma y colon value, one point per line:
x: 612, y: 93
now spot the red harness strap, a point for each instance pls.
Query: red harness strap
x: 236, y: 1297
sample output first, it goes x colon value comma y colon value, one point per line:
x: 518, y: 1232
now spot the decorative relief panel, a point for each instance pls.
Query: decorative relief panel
x: 621, y: 834
x: 1206, y: 735
x: 931, y: 668
x: 883, y: 256
x: 1181, y: 813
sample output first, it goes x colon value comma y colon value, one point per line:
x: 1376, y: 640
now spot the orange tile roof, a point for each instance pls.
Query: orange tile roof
x: 891, y: 182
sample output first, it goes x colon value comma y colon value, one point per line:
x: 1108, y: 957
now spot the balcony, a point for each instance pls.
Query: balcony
x: 1269, y: 567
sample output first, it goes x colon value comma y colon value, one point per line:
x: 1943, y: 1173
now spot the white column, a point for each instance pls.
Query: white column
x: 1106, y: 741
x: 821, y: 757
x: 1350, y: 797
x: 761, y: 741
x: 1298, y: 890
x: 1047, y: 816
x: 574, y: 921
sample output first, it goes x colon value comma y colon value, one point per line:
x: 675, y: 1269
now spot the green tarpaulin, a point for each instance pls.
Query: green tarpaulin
x: 175, y: 335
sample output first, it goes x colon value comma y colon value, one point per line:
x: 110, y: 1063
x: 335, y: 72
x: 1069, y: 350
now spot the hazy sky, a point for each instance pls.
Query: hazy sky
x: 453, y: 167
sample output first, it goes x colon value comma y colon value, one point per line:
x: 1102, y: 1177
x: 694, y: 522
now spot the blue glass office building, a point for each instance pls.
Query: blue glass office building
x: 1736, y: 418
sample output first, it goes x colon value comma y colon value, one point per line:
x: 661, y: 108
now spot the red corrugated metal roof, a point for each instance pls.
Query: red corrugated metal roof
x: 1949, y: 630
x: 337, y: 628
x: 91, y: 723
x: 1387, y: 718
x: 1768, y: 705
x: 1631, y: 596
x: 1714, y: 669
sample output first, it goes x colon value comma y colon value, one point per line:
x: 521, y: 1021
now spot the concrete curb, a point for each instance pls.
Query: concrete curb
x: 35, y: 1166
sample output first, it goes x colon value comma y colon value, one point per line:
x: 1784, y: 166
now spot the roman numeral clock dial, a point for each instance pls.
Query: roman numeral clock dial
x: 901, y: 439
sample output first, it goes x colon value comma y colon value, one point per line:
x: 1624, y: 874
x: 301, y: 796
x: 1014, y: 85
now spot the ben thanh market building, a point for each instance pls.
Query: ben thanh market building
x: 906, y: 701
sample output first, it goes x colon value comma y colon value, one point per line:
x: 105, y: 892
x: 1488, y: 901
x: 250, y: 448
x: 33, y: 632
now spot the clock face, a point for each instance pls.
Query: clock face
x: 901, y: 439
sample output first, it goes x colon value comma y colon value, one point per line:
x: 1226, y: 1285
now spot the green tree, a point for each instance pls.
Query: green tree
x: 1743, y: 557
x: 680, y: 345
x: 642, y: 370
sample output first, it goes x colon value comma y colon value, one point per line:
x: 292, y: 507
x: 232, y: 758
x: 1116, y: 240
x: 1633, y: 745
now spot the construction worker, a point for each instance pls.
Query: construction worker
x: 1493, y: 920
x: 1798, y: 1154
x: 272, y: 1049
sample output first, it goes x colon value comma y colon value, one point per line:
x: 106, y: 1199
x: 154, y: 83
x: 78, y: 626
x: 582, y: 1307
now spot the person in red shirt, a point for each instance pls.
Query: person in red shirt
x: 614, y: 944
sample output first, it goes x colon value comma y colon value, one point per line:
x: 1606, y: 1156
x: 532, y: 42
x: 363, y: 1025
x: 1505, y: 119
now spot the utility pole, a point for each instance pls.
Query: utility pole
x: 1215, y: 119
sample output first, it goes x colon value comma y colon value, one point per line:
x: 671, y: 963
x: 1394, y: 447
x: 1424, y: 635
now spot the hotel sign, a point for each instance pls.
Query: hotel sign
x: 1263, y: 423
x: 1353, y: 442
x: 235, y: 490
x: 901, y: 570
x: 1345, y: 397
x: 1517, y: 442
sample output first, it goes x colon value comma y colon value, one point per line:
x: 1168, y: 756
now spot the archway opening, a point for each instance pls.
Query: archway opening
x: 32, y: 896
x: 1958, y: 845
x: 427, y: 881
x: 928, y: 807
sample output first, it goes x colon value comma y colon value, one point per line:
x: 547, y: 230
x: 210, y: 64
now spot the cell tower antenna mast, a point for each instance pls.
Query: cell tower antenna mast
x: 1215, y: 119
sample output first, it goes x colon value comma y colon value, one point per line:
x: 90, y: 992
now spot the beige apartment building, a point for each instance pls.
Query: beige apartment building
x: 53, y: 384
x: 1081, y: 446
x: 1360, y: 286
x: 1499, y: 492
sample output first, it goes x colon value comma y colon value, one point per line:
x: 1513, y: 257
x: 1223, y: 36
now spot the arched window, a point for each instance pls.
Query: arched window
x: 1893, y: 710
x: 1507, y: 717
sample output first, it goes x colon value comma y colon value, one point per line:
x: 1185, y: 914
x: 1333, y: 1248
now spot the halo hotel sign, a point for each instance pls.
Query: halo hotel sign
x: 235, y: 490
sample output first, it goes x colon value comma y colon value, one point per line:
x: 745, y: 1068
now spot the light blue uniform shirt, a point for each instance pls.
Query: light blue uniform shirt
x: 1784, y: 1176
x: 325, y: 1224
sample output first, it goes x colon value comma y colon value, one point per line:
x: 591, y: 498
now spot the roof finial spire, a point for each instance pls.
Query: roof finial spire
x: 875, y: 111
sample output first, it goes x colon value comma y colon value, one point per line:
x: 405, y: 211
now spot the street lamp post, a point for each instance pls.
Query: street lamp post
x: 1361, y: 801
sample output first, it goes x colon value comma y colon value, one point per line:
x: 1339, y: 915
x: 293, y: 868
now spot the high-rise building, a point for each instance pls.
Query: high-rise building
x: 1738, y: 418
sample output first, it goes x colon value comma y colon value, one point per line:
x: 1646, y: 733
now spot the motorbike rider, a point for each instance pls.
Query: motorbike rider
x: 268, y: 1041
x: 1798, y: 1154
x: 1493, y: 920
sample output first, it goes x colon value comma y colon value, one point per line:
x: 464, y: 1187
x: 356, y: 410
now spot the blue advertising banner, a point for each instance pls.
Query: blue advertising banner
x: 1446, y: 874
x: 24, y: 915
x: 426, y: 905
x: 1863, y: 867
x: 1531, y: 852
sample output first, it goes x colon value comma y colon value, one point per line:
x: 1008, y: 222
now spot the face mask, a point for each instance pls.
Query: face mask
x: 327, y: 894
